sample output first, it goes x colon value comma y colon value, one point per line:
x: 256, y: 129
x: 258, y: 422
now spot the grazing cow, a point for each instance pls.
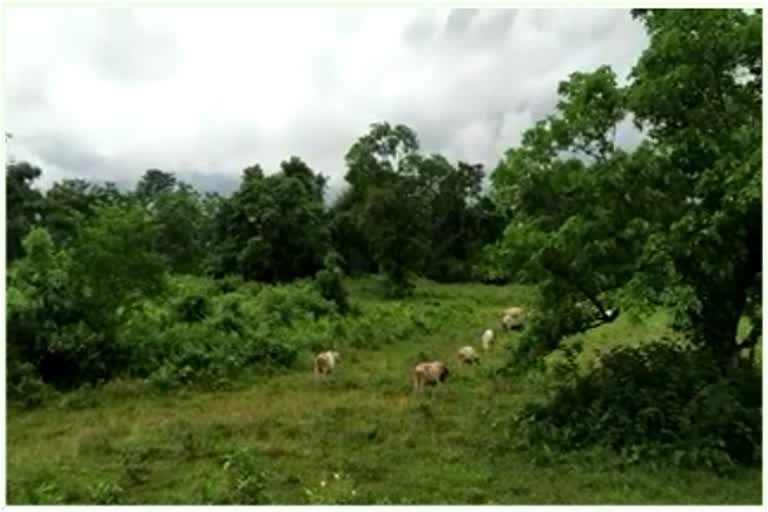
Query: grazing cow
x: 325, y: 362
x: 429, y: 373
x: 487, y: 340
x: 468, y: 355
x: 513, y: 318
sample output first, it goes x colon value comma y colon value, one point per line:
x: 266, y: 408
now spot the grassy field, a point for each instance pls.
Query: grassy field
x: 362, y: 437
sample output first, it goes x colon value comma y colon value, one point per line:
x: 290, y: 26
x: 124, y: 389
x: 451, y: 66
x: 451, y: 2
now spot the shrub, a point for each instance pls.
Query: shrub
x: 246, y: 480
x: 657, y: 399
x: 332, y: 289
x: 106, y: 493
x: 25, y: 387
x: 191, y: 308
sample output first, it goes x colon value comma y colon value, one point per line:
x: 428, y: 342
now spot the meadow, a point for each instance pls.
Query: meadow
x: 361, y: 437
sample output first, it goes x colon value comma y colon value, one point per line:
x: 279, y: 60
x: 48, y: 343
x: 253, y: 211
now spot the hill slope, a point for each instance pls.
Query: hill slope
x: 361, y: 437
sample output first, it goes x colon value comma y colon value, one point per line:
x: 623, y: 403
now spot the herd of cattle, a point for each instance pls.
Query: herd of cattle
x: 433, y: 372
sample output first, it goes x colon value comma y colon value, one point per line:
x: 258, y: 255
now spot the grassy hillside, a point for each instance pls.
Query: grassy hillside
x: 361, y: 437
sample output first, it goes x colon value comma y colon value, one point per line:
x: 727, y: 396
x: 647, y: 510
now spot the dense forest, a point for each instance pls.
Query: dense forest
x: 167, y: 283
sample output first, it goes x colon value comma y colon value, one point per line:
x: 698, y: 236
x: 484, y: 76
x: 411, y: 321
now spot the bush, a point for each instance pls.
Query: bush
x: 25, y: 387
x: 332, y: 289
x: 656, y: 399
x: 247, y: 480
x: 201, y: 353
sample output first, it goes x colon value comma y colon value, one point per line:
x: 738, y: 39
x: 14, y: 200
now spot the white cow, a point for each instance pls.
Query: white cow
x: 468, y: 355
x: 513, y: 318
x: 325, y: 362
x: 487, y: 340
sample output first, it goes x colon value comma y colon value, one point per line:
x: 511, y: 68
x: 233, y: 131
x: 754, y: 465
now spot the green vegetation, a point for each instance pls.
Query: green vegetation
x: 274, y: 439
x: 160, y: 340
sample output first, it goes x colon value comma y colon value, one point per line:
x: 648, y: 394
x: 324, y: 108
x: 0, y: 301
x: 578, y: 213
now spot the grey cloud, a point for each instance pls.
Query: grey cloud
x: 324, y: 72
x: 496, y: 25
x: 66, y: 152
x: 458, y: 21
x: 126, y: 50
x: 420, y: 30
x: 606, y: 26
x: 478, y: 29
x: 28, y: 94
x: 210, y: 181
x: 484, y: 76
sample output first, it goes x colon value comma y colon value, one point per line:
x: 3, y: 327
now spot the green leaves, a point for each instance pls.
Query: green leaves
x: 683, y: 210
x: 273, y: 228
x: 23, y: 205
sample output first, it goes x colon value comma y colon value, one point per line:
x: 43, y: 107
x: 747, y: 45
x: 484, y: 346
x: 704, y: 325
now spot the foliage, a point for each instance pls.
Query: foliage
x: 677, y: 221
x: 70, y: 202
x: 66, y: 304
x: 273, y: 228
x: 23, y: 204
x: 406, y: 213
x: 385, y: 442
x: 178, y: 212
x: 246, y: 479
x: 329, y: 282
x: 338, y: 489
x: 657, y: 399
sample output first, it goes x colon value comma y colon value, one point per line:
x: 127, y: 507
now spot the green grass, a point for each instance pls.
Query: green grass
x: 363, y: 432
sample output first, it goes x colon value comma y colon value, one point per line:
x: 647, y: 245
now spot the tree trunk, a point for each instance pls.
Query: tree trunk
x: 723, y: 304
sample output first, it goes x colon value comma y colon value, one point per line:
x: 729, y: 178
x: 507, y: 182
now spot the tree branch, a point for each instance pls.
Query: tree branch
x: 606, y: 315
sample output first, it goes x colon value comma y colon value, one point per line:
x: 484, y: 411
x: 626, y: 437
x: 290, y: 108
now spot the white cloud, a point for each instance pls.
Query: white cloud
x: 106, y: 93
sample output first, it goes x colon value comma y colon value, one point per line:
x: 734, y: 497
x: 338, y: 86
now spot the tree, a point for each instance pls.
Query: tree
x: 272, y: 229
x: 69, y: 202
x: 114, y: 261
x: 24, y: 205
x: 68, y: 302
x: 329, y: 282
x: 153, y: 183
x: 384, y: 152
x: 296, y: 168
x: 396, y: 227
x: 678, y: 220
x: 698, y: 91
x: 177, y: 210
x: 462, y: 220
x: 348, y: 235
x: 383, y: 215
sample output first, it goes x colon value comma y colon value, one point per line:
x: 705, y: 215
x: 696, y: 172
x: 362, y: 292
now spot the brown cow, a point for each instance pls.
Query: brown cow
x: 429, y: 373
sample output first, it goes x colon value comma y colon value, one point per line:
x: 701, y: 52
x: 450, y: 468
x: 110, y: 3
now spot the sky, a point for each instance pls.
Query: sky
x: 107, y: 93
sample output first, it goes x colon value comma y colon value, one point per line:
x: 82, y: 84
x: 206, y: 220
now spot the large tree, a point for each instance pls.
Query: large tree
x: 677, y: 221
x: 24, y: 205
x: 66, y: 302
x: 273, y: 228
x: 697, y: 90
x: 462, y: 219
x: 69, y: 202
x: 383, y: 215
x: 178, y: 211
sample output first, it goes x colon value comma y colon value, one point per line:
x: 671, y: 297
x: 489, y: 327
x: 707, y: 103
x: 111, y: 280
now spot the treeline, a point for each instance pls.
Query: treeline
x: 403, y: 213
x: 96, y: 285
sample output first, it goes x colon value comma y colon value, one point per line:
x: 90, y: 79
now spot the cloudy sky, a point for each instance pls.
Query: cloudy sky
x: 106, y: 93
